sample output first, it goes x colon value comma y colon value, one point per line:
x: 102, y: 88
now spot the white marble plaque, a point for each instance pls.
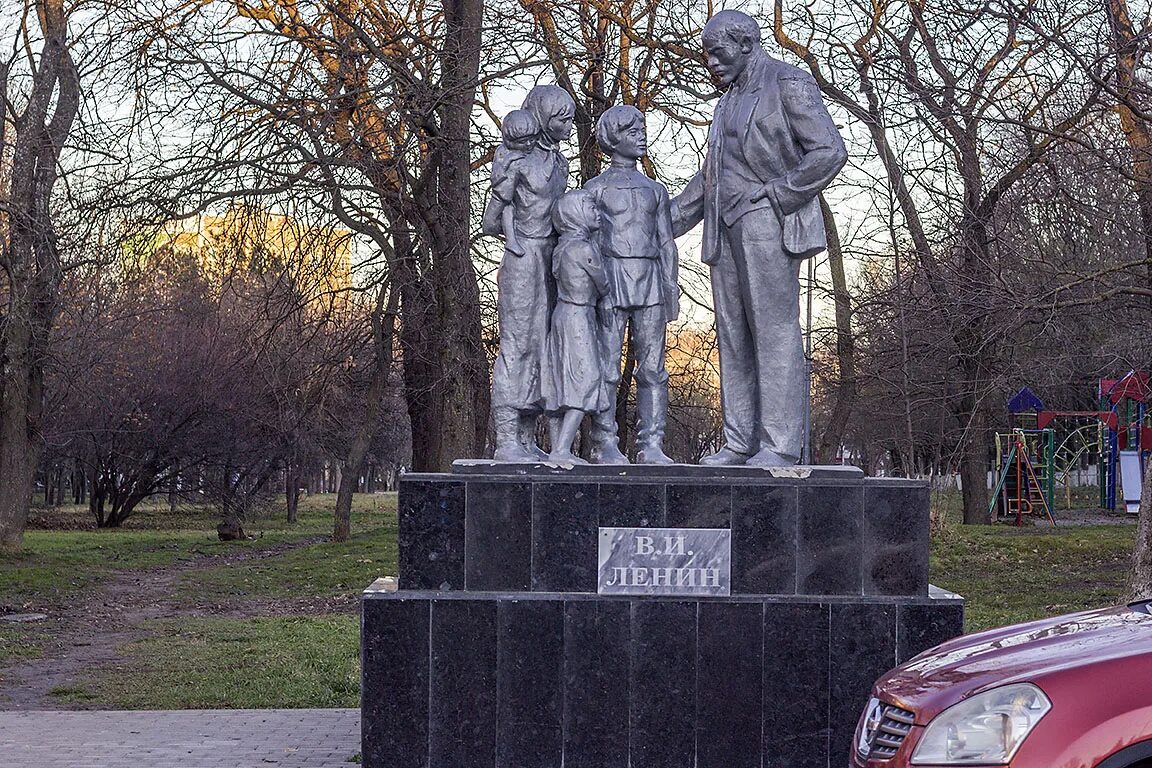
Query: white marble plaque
x: 665, y: 561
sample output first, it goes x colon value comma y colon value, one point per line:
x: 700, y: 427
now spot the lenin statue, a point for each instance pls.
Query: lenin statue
x: 772, y: 148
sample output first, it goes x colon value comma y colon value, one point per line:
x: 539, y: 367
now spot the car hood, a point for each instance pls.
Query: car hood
x: 942, y: 676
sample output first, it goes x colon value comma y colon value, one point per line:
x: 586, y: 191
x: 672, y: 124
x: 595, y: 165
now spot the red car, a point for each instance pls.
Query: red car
x: 1074, y: 691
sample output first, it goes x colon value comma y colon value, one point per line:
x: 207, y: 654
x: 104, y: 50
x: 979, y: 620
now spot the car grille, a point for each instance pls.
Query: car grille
x: 889, y: 733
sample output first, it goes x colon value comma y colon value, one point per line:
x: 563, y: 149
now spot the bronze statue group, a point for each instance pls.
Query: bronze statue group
x: 581, y: 266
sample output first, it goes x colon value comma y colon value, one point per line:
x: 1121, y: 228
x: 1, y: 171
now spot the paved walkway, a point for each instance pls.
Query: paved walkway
x: 239, y: 738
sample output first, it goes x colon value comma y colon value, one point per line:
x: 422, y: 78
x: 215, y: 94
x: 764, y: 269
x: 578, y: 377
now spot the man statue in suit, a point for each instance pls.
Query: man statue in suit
x: 772, y: 148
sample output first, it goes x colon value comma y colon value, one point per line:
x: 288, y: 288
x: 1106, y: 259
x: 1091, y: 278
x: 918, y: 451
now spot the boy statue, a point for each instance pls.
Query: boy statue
x: 640, y: 259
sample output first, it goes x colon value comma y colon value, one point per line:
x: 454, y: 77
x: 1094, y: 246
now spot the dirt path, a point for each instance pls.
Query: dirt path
x: 86, y: 631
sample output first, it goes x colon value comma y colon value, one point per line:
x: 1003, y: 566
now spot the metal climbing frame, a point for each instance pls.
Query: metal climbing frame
x: 1026, y: 479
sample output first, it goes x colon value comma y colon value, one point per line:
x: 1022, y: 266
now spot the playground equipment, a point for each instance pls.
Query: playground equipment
x: 1054, y: 444
x: 1129, y: 437
x: 1024, y: 484
x: 1080, y: 445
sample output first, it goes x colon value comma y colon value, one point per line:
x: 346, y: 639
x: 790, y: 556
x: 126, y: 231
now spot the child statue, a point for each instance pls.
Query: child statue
x: 520, y: 132
x: 574, y: 383
x: 641, y: 262
x: 528, y: 175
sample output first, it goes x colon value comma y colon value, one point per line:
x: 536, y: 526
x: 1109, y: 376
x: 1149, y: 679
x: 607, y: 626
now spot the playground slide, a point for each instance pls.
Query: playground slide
x: 1130, y: 480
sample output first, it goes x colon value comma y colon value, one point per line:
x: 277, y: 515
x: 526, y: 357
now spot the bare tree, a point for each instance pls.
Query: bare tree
x: 368, y: 107
x: 1133, y: 100
x: 37, y: 109
x: 990, y: 92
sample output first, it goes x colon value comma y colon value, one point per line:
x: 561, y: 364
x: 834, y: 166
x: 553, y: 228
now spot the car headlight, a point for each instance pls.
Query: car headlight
x: 985, y: 729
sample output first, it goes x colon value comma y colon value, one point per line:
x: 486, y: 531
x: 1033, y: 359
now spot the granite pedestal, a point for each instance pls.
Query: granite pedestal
x: 496, y: 651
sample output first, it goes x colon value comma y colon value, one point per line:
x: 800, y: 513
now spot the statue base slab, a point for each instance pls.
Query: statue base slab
x: 509, y: 680
x: 533, y: 528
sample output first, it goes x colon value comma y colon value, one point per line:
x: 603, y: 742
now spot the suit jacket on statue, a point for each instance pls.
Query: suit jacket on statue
x: 789, y: 150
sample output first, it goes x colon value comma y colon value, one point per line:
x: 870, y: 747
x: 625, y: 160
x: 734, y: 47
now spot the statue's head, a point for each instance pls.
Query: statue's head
x: 554, y: 109
x: 520, y: 129
x: 730, y: 38
x: 620, y: 131
x: 576, y: 213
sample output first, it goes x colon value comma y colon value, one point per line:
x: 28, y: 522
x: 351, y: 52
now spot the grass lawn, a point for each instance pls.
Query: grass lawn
x: 306, y: 654
x: 324, y: 569
x: 301, y: 660
x: 56, y: 564
x: 1009, y: 574
x: 260, y: 663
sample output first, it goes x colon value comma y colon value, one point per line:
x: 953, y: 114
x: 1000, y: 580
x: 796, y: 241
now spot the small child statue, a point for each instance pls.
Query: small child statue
x: 520, y: 132
x: 641, y: 261
x: 574, y: 383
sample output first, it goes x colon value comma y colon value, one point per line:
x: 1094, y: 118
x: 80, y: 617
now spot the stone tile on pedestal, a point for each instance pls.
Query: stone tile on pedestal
x: 764, y: 540
x: 597, y: 638
x: 895, y: 540
x: 530, y: 650
x: 828, y: 540
x: 699, y: 506
x: 862, y: 646
x: 431, y: 534
x: 394, y: 688
x: 498, y: 537
x: 729, y: 673
x: 923, y: 626
x: 631, y: 505
x: 662, y: 681
x: 564, y: 537
x: 795, y: 729
x: 462, y: 693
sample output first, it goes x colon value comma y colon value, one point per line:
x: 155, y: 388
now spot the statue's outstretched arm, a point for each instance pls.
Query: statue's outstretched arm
x: 687, y: 208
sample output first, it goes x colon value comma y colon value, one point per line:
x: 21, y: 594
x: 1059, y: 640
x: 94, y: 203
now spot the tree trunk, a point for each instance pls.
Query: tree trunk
x: 974, y: 470
x: 1127, y: 42
x: 292, y: 491
x: 30, y: 261
x: 122, y: 509
x: 1138, y: 134
x: 460, y: 390
x: 975, y: 346
x: 17, y: 467
x: 624, y: 429
x: 1140, y: 579
x: 845, y: 397
x: 383, y: 326
x: 79, y: 484
x: 342, y: 525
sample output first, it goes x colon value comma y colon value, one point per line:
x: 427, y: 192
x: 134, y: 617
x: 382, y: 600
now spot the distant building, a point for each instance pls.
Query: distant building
x: 247, y: 243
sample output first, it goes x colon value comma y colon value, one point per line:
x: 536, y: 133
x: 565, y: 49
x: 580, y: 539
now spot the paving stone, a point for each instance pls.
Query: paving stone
x: 298, y: 738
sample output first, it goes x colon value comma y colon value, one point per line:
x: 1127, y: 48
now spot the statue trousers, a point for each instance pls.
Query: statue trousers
x: 649, y: 326
x: 756, y: 294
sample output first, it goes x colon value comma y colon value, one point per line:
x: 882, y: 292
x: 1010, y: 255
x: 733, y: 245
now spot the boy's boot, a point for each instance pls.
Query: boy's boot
x: 651, y: 416
x: 508, y: 446
x: 527, y: 429
x: 605, y: 442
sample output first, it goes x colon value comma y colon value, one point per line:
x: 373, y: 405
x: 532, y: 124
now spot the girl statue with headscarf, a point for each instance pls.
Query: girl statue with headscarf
x: 528, y: 177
